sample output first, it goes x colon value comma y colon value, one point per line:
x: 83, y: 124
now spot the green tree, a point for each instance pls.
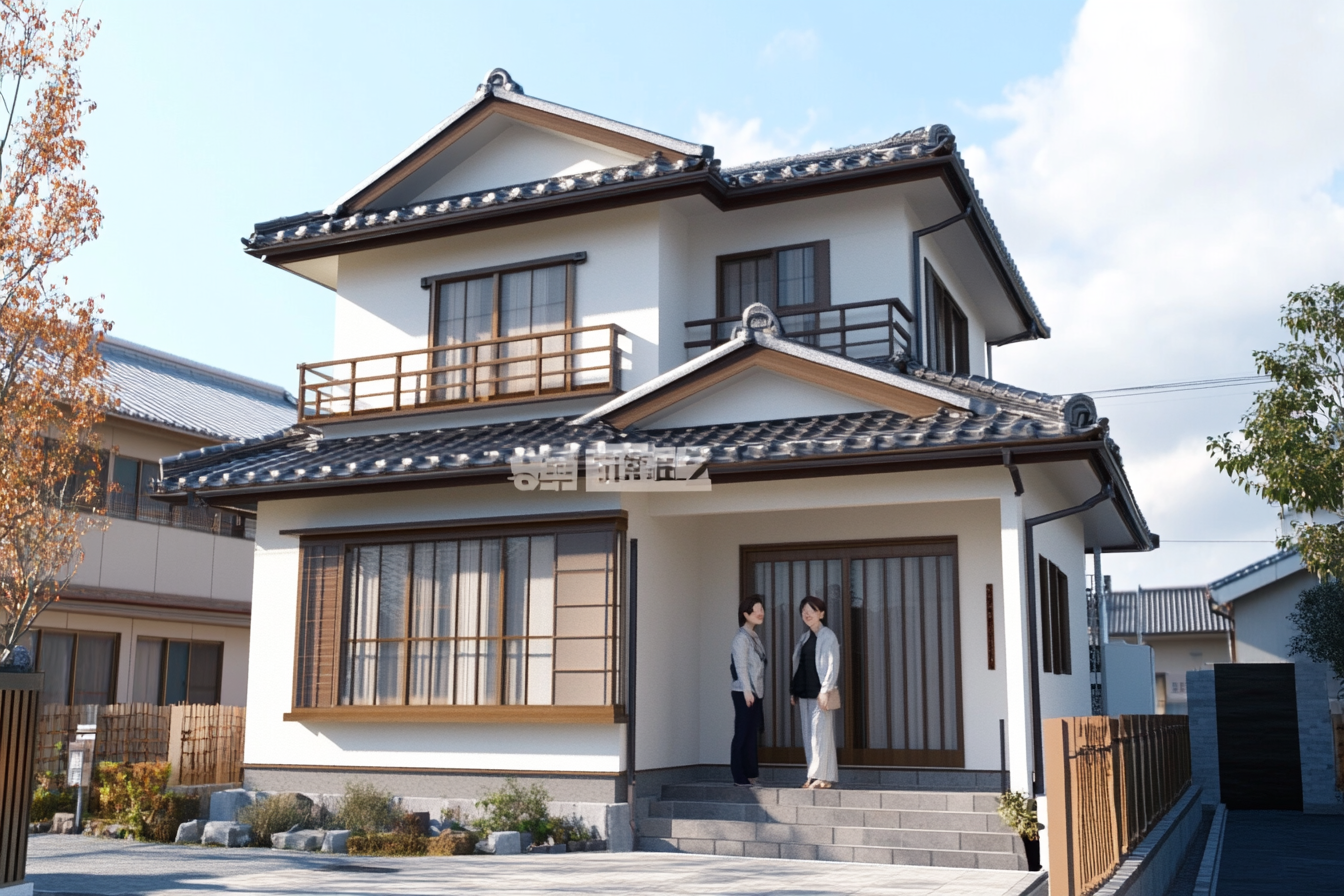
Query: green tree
x: 1319, y: 619
x: 1290, y: 450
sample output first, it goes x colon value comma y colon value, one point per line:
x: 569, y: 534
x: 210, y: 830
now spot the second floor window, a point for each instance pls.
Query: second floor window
x: 509, y: 310
x: 949, y: 338
x: 783, y: 278
x: 130, y: 499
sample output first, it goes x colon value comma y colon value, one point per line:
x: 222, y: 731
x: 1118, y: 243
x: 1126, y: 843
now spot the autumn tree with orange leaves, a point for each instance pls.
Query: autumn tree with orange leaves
x: 52, y: 387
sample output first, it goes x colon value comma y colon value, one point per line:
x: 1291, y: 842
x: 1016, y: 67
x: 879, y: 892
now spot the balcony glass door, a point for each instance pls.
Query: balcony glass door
x: 893, y: 607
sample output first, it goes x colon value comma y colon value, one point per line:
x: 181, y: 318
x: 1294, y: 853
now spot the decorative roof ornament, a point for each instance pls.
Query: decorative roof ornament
x: 1081, y: 411
x: 498, y: 79
x: 758, y: 318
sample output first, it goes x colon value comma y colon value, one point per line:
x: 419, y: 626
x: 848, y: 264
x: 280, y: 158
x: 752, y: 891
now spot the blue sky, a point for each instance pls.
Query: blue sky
x: 1160, y: 194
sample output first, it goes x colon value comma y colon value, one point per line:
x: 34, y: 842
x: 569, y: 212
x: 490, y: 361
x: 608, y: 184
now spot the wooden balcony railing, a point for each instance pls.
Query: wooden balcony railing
x: 553, y: 364
x: 862, y: 330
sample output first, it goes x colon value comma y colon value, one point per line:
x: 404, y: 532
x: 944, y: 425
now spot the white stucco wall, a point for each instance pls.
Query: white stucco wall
x: 233, y: 674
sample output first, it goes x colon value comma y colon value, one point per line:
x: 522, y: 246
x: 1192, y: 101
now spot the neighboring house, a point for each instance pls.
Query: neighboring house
x: 529, y: 291
x: 158, y: 611
x: 1181, y: 627
x: 1259, y: 599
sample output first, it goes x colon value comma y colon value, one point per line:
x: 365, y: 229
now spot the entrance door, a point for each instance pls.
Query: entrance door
x: 893, y: 607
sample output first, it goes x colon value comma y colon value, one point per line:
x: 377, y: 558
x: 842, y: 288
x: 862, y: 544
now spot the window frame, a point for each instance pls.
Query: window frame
x: 1056, y: 640
x: 162, y: 690
x: 113, y: 673
x: 946, y: 312
x: 339, y: 541
x: 821, y: 275
x: 435, y: 283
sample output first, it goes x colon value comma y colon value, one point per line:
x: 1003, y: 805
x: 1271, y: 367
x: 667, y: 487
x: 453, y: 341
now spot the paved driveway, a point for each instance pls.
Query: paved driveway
x: 82, y: 865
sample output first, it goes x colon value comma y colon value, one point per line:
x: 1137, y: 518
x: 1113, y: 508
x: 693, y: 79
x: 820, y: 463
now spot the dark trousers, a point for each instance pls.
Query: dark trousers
x: 747, y: 722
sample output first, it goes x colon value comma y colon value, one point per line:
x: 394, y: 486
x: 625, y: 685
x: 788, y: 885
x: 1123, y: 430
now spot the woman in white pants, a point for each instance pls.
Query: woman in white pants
x: 816, y: 679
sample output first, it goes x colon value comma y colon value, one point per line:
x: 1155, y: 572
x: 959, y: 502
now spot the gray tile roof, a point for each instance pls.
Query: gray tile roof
x: 1253, y: 568
x: 302, y: 455
x: 163, y: 389
x: 1164, y: 611
x: 901, y: 149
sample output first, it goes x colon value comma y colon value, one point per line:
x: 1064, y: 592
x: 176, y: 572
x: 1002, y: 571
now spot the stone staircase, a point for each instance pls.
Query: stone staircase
x: 889, y: 827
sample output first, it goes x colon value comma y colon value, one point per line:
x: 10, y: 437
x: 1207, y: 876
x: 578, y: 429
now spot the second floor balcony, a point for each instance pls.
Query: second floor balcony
x: 862, y: 331
x: 556, y: 363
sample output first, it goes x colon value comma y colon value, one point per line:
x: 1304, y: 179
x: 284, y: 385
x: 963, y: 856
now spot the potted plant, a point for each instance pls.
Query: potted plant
x: 1018, y: 811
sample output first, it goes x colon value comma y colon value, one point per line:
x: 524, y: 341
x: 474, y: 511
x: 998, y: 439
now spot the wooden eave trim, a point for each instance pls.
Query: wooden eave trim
x: 851, y: 384
x: 514, y: 715
x: 524, y: 114
x: 614, y: 516
x: 89, y: 597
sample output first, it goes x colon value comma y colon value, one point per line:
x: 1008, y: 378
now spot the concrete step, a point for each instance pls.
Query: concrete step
x: 953, y: 779
x: 914, y: 819
x: 934, y: 801
x: 880, y: 855
x: 842, y: 835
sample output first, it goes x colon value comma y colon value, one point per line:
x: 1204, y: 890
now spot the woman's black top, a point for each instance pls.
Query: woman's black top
x: 806, y: 684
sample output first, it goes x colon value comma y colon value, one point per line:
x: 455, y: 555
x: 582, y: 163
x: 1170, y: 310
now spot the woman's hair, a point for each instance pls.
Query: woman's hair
x: 746, y: 605
x: 815, y: 603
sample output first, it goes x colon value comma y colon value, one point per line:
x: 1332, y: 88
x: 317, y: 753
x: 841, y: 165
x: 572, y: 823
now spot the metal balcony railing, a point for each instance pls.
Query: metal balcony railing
x: 862, y: 330
x: 552, y: 364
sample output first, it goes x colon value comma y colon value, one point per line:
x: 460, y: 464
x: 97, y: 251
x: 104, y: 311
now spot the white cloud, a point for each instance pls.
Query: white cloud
x: 790, y: 46
x: 1162, y: 191
x: 738, y: 142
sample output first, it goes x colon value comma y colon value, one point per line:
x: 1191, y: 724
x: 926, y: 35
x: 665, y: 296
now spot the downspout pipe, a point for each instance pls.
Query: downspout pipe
x: 1033, y: 657
x: 631, y: 667
x: 916, y: 293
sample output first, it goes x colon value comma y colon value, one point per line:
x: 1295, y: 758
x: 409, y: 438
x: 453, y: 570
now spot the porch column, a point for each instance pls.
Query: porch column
x: 1015, y: 634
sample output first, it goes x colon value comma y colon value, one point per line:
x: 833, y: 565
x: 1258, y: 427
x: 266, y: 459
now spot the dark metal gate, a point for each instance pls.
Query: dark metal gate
x: 1259, y: 762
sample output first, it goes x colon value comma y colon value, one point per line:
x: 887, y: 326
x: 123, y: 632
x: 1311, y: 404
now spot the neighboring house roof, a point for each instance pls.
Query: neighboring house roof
x: 1256, y: 576
x: 1164, y: 611
x: 166, y: 390
x: 695, y: 170
x: 972, y: 429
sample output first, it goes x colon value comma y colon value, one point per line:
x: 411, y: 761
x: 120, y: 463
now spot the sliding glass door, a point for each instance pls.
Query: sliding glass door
x: 893, y: 606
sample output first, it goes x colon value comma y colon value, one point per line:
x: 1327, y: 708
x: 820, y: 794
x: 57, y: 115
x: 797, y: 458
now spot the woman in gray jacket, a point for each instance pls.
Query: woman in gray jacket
x: 748, y: 668
x: 815, y: 691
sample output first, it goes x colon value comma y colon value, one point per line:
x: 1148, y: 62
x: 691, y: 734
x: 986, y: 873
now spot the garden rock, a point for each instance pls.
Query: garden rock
x: 308, y: 841
x: 63, y: 823
x: 226, y: 833
x: 189, y: 832
x: 335, y: 841
x: 595, y: 846
x: 501, y: 843
x: 224, y: 804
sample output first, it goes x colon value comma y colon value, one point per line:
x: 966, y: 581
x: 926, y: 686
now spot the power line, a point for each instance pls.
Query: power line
x: 1188, y: 386
x: 1218, y: 541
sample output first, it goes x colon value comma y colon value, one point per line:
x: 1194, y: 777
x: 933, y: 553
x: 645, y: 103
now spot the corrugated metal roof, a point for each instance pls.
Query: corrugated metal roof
x: 1165, y: 611
x: 165, y: 389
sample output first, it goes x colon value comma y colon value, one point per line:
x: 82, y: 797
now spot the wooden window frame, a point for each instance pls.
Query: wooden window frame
x: 821, y: 273
x: 879, y: 548
x: 946, y: 312
x: 436, y: 282
x: 1056, y: 643
x: 328, y: 550
x: 114, y: 675
x: 191, y: 643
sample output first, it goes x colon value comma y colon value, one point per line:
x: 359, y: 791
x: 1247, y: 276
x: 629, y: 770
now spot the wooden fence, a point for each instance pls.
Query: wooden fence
x: 1337, y: 722
x: 1108, y: 782
x: 203, y: 742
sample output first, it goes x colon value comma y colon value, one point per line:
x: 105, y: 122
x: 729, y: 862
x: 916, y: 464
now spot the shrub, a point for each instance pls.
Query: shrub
x: 453, y: 843
x: 364, y: 809
x: 517, y: 808
x: 133, y: 794
x: 571, y: 828
x: 47, y: 803
x: 1019, y: 813
x: 271, y: 815
x: 387, y: 845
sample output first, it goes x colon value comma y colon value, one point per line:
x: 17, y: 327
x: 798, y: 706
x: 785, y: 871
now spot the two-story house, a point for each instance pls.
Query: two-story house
x: 530, y: 289
x: 159, y: 607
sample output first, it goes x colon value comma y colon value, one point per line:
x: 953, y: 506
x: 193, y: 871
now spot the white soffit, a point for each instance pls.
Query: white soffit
x: 756, y: 394
x: 321, y: 271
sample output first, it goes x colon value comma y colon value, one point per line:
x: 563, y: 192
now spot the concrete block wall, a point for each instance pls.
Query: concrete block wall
x: 1203, y: 709
x: 1316, y: 742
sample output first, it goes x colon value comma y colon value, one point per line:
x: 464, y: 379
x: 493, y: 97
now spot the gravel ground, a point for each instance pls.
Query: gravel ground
x: 82, y: 866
